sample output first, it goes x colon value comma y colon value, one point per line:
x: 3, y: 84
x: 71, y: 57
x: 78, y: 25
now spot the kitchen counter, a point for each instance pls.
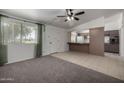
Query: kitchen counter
x: 78, y: 43
x: 80, y: 47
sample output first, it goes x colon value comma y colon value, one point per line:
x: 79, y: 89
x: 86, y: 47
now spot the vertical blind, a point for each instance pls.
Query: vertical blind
x: 14, y: 31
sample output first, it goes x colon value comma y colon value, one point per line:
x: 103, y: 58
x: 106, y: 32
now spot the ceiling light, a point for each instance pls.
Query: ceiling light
x: 68, y: 18
x: 72, y: 18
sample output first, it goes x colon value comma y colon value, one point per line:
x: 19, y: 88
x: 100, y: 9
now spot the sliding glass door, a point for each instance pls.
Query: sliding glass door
x: 19, y: 32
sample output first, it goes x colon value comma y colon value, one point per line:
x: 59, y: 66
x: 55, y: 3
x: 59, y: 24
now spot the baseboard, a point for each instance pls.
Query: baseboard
x: 20, y: 61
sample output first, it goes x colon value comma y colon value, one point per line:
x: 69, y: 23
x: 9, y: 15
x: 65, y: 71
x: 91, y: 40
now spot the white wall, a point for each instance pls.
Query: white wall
x: 99, y: 22
x: 54, y: 40
x: 113, y: 22
x: 20, y: 52
x: 122, y: 36
x: 110, y: 23
x: 122, y: 42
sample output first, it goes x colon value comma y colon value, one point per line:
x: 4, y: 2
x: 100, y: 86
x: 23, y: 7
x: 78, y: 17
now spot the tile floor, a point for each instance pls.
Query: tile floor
x: 111, y: 65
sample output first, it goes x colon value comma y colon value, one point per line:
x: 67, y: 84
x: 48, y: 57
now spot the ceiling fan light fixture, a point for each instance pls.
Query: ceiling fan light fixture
x: 68, y: 18
x: 70, y: 15
x: 72, y: 18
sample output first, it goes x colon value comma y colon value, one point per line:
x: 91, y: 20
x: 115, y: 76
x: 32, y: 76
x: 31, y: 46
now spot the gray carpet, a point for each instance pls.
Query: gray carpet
x: 51, y: 70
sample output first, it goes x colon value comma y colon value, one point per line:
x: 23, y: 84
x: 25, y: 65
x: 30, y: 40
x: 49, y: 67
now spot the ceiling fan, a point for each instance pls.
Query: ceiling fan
x: 70, y: 15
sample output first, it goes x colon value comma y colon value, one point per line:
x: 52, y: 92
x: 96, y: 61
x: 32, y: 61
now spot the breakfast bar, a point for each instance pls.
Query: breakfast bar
x: 79, y: 47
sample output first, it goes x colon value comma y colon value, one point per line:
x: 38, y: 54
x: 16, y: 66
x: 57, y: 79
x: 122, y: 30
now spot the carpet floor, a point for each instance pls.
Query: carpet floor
x: 50, y: 69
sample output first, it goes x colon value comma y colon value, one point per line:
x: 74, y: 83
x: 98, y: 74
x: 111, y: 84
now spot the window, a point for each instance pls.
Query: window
x: 7, y: 32
x: 80, y: 37
x: 73, y: 36
x: 29, y: 33
x: 18, y: 32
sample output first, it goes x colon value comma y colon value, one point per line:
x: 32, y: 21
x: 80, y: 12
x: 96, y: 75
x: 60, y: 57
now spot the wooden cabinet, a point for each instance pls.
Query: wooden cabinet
x: 84, y: 47
x: 113, y: 46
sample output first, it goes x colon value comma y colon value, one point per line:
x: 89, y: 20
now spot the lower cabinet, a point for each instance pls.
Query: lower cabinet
x: 112, y: 48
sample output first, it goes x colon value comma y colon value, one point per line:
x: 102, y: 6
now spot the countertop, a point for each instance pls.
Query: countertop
x: 78, y: 43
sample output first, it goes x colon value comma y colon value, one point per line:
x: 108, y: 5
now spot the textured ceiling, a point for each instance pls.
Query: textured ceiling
x: 48, y: 16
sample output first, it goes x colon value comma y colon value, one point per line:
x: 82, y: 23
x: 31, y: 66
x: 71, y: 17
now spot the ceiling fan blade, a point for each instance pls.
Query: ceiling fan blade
x: 71, y: 9
x: 76, y: 18
x: 66, y: 20
x: 61, y: 16
x: 79, y: 13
